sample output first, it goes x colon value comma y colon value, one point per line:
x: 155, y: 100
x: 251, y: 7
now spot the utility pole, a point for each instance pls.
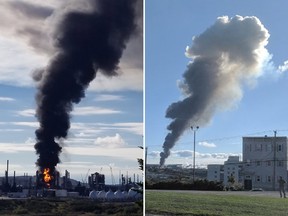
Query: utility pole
x: 274, y: 160
x: 145, y: 168
x: 194, y: 129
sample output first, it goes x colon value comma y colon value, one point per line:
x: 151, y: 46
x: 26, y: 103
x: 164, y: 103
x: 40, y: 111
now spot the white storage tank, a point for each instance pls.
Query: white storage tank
x: 101, y: 195
x: 118, y: 195
x: 109, y: 195
x: 132, y: 194
x: 125, y: 195
x: 93, y: 194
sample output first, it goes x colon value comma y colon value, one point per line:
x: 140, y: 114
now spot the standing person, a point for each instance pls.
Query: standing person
x: 282, y: 184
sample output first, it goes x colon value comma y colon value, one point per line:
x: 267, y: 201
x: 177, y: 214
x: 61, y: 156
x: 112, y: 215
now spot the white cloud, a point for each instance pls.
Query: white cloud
x: 130, y: 79
x: 83, y: 141
x: 17, y: 63
x: 92, y: 130
x: 206, y: 144
x: 109, y: 97
x: 154, y: 154
x: 84, y: 130
x: 221, y: 155
x: 182, y: 153
x: 86, y: 133
x: 82, y: 126
x: 8, y: 99
x: 27, y: 124
x: 89, y: 110
x: 88, y: 150
x: 26, y: 113
x: 16, y: 147
x: 110, y: 141
x: 11, y: 130
x: 50, y: 3
x: 30, y: 141
x: 284, y: 67
x: 125, y: 153
x: 134, y: 127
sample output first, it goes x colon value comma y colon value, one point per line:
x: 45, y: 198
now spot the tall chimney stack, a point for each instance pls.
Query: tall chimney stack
x: 6, y: 173
x: 7, y: 166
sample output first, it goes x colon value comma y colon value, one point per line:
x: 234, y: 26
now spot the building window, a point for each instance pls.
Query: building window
x: 258, y: 147
x: 280, y: 147
x: 258, y: 179
x: 248, y: 147
x: 258, y: 163
x: 280, y: 163
x: 268, y: 178
x: 269, y: 147
x: 248, y: 162
x: 215, y: 172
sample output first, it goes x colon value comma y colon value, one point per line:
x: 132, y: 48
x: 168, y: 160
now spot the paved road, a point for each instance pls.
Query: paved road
x: 244, y: 193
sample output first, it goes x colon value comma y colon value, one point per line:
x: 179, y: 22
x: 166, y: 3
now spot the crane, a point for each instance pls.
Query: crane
x: 112, y: 176
x: 86, y: 178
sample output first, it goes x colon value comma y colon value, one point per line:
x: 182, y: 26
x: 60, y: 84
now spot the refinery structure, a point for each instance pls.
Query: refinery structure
x: 43, y: 184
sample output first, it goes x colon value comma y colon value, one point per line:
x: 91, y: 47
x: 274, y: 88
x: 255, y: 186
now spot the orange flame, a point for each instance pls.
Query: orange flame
x: 46, y: 176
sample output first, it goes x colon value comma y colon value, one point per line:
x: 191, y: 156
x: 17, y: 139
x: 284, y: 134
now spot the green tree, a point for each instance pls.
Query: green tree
x: 231, y: 179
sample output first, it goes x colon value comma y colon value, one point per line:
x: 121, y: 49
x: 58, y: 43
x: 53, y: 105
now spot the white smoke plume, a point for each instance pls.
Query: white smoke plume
x: 226, y: 56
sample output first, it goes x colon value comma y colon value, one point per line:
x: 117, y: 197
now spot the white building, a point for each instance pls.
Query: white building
x: 231, y: 170
x: 222, y: 173
x: 264, y: 161
x: 215, y: 172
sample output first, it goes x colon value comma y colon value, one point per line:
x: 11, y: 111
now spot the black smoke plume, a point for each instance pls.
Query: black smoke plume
x: 229, y: 53
x: 84, y: 42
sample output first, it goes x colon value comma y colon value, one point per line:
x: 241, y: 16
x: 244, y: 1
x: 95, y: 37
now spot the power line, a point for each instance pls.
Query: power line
x: 227, y: 138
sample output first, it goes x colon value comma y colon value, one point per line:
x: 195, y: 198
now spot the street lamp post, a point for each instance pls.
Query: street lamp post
x: 194, y: 129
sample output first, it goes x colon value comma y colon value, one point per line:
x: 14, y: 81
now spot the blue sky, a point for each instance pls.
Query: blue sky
x: 170, y: 26
x: 106, y: 126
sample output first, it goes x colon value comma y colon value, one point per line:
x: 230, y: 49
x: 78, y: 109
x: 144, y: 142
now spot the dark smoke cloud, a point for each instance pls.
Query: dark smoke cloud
x: 26, y: 20
x: 32, y: 23
x: 84, y: 42
x: 229, y: 53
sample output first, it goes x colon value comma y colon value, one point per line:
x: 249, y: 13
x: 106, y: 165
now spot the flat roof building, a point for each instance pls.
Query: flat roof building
x: 264, y: 161
x: 215, y: 172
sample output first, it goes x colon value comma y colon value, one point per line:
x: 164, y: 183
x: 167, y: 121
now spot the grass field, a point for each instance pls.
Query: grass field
x: 67, y: 207
x: 180, y: 203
